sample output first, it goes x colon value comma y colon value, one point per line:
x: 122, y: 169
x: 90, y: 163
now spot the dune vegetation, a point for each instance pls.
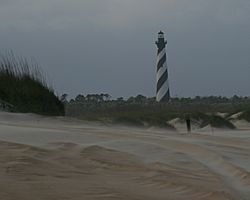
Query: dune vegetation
x: 23, y: 87
x: 146, y: 112
x: 245, y: 115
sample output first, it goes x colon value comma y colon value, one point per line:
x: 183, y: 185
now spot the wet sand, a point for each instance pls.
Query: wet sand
x: 65, y: 159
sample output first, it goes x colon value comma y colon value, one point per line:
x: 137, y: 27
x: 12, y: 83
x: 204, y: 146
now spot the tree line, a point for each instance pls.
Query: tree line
x: 140, y: 99
x: 140, y: 110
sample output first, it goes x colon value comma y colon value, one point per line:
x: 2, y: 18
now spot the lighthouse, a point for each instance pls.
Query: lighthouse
x: 162, y: 91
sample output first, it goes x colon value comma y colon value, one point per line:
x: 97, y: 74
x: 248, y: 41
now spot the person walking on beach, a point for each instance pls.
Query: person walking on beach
x: 188, y: 123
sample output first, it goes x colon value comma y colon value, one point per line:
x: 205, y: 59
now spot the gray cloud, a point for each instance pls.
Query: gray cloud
x: 108, y: 46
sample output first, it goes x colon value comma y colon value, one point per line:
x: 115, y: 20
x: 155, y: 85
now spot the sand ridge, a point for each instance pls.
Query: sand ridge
x: 56, y: 158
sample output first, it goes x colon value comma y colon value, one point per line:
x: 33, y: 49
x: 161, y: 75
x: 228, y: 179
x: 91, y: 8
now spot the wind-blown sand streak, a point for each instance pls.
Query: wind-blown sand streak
x: 59, y: 158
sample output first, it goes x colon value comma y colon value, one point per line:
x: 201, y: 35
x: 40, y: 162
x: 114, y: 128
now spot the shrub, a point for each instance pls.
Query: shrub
x: 218, y: 122
x: 245, y: 115
x: 127, y: 120
x: 158, y: 121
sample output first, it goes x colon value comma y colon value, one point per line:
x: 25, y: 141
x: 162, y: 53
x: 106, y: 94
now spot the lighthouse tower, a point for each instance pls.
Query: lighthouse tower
x: 162, y: 93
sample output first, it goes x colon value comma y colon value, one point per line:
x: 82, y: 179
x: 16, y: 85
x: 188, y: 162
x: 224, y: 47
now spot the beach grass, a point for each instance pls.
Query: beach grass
x: 24, y: 86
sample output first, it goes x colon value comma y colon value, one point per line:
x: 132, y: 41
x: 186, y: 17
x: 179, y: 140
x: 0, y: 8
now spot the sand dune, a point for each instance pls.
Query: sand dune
x: 59, y: 158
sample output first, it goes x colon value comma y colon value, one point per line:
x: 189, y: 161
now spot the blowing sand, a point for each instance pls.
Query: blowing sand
x: 62, y: 159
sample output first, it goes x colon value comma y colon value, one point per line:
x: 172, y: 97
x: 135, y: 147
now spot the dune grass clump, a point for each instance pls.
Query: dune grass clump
x: 24, y: 87
x: 212, y: 120
x: 128, y: 120
x: 220, y: 122
x: 245, y: 115
x: 144, y: 119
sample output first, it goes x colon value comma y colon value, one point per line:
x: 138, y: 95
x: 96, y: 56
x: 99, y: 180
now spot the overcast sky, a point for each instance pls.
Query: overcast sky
x: 94, y: 46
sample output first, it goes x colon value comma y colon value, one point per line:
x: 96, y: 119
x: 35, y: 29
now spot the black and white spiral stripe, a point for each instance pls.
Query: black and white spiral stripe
x: 163, y: 94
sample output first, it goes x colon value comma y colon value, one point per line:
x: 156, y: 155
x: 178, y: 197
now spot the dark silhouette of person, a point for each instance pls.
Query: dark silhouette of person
x: 188, y: 122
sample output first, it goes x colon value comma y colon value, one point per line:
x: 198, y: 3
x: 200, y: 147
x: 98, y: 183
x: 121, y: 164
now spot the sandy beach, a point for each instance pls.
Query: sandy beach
x: 66, y: 159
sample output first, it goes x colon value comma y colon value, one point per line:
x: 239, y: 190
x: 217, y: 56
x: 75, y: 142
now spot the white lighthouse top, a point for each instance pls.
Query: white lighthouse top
x: 160, y: 34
